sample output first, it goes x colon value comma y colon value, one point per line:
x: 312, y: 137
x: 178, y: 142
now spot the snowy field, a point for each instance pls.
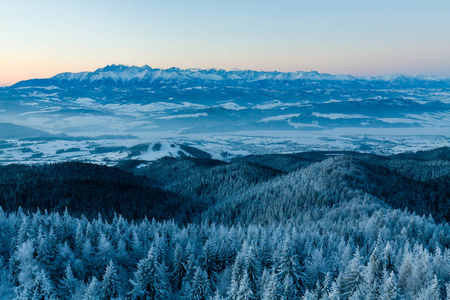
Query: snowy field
x: 150, y: 146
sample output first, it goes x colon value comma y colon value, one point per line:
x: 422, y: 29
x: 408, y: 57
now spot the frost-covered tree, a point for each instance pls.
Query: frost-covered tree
x: 40, y: 287
x: 68, y: 284
x: 430, y: 292
x: 245, y: 291
x: 290, y: 269
x: 179, y: 269
x: 253, y: 268
x: 150, y: 280
x: 110, y: 287
x: 352, y: 277
x: 316, y: 266
x: 236, y: 276
x: 200, y: 287
x: 271, y: 288
x: 93, y: 290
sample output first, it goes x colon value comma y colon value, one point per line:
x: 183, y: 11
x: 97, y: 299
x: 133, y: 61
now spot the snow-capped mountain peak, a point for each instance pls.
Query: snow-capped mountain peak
x: 146, y: 75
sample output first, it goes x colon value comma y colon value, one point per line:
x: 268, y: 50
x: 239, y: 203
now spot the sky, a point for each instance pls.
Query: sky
x: 39, y: 39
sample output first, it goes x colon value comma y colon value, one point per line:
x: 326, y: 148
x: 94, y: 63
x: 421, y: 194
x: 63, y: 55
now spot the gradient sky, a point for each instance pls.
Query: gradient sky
x: 359, y: 37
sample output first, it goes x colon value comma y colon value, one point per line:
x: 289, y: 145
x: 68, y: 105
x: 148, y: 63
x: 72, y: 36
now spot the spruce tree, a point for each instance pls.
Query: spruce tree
x: 389, y: 287
x: 150, y: 279
x: 110, y: 286
x: 179, y: 269
x: 352, y: 277
x: 289, y: 265
x: 245, y: 291
x: 253, y: 267
x: 271, y: 289
x: 68, y: 284
x: 200, y: 288
x: 93, y: 290
x: 38, y: 288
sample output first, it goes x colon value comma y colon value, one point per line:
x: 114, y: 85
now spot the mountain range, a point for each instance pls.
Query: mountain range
x: 140, y: 183
x: 147, y: 76
x: 230, y: 112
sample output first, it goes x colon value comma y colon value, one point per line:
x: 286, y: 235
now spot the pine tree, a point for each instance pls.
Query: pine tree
x: 217, y: 296
x: 289, y: 265
x: 46, y: 251
x: 110, y: 286
x: 191, y: 267
x: 352, y: 277
x: 316, y: 266
x: 389, y: 287
x: 335, y: 293
x: 431, y: 292
x: 253, y: 267
x: 104, y: 249
x: 179, y: 268
x: 38, y: 288
x: 271, y: 288
x: 93, y: 290
x: 150, y: 279
x: 447, y: 291
x: 79, y: 240
x: 309, y: 295
x: 369, y: 283
x: 25, y: 265
x: 289, y: 290
x: 387, y: 257
x: 212, y: 259
x: 236, y: 276
x: 405, y: 271
x: 435, y: 293
x: 200, y: 288
x: 68, y: 284
x: 265, y: 251
x: 376, y: 261
x: 245, y: 291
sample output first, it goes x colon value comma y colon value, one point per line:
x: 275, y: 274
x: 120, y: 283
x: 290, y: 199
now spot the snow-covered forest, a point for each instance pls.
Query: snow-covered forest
x: 369, y: 253
x: 321, y: 229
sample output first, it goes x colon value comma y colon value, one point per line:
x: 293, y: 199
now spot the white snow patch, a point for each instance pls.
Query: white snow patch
x: 277, y: 103
x: 152, y: 107
x: 269, y: 105
x: 183, y: 116
x: 300, y: 125
x: 335, y: 116
x: 398, y: 120
x: 278, y: 118
x: 51, y: 87
x: 84, y: 101
x: 232, y: 106
x: 166, y: 149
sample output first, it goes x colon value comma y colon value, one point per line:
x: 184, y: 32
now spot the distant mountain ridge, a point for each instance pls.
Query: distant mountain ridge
x: 121, y: 74
x: 9, y: 130
x: 171, y: 105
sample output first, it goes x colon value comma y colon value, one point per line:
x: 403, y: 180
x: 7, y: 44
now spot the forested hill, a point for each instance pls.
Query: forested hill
x: 262, y: 189
x: 90, y: 190
x: 317, y: 225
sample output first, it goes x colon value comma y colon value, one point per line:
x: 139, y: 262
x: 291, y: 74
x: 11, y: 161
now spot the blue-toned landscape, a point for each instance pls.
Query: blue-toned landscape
x: 225, y: 150
x: 138, y: 183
